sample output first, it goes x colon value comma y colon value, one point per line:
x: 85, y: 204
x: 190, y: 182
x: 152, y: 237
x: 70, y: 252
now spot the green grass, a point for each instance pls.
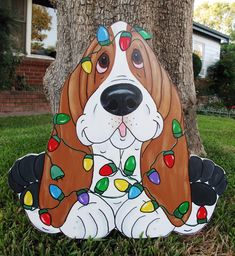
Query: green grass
x: 22, y: 135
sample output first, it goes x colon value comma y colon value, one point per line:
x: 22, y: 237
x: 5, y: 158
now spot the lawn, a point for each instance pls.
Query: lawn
x: 22, y: 135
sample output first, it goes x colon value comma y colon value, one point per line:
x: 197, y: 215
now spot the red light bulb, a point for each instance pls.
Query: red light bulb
x: 169, y: 158
x: 125, y: 40
x: 53, y: 143
x: 108, y: 169
x: 45, y: 217
x: 201, y: 215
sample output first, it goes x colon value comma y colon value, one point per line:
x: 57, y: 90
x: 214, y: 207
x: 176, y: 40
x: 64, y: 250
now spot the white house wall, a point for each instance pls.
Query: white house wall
x: 211, y: 52
x: 28, y: 27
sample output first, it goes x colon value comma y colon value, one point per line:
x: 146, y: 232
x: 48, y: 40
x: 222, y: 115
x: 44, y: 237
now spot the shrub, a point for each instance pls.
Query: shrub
x: 222, y: 74
x: 202, y: 86
x: 9, y: 59
x: 21, y: 84
x: 197, y: 65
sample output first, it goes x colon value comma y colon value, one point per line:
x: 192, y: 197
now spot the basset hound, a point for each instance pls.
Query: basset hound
x: 117, y: 157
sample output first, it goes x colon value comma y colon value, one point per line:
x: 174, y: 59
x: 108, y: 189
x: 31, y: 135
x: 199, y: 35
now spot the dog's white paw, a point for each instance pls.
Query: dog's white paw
x: 134, y: 223
x: 191, y: 226
x: 208, y: 182
x: 94, y: 220
x: 37, y: 223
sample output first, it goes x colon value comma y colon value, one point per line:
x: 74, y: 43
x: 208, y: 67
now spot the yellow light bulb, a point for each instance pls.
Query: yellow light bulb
x: 149, y: 206
x: 87, y: 66
x: 28, y: 198
x: 87, y: 163
x: 121, y: 185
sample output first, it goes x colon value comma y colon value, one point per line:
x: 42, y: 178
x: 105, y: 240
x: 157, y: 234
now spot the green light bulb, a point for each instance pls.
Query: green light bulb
x: 101, y: 186
x: 130, y: 166
x: 176, y: 129
x: 143, y: 33
x: 56, y: 172
x: 181, y: 210
x: 61, y: 118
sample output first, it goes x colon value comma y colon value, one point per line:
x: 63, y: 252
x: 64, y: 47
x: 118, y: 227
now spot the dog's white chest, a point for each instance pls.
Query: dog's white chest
x: 104, y: 154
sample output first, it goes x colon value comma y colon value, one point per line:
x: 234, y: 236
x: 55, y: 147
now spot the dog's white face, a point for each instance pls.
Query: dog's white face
x: 106, y: 118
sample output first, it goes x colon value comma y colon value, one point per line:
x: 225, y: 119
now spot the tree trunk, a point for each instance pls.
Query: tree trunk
x: 169, y: 21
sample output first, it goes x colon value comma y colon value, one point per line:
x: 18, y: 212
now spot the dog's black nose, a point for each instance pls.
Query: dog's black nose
x: 121, y: 99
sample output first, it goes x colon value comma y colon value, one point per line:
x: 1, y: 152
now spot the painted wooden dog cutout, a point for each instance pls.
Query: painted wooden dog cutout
x: 117, y: 157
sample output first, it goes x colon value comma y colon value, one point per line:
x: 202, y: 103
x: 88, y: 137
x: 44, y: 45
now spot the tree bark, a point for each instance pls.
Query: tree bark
x: 170, y: 22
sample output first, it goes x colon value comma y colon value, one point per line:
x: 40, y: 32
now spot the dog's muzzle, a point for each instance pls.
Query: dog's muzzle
x: 121, y: 99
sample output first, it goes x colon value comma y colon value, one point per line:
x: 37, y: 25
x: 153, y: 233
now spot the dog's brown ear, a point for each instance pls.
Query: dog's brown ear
x: 174, y: 187
x: 68, y: 157
x: 69, y: 154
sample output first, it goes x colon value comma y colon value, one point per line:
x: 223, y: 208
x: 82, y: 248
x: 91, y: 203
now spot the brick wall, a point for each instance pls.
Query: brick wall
x: 23, y: 101
x: 33, y: 69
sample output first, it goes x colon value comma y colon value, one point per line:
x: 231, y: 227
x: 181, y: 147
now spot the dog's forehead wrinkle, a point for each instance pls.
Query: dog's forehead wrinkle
x: 121, y: 79
x: 129, y: 77
x: 121, y: 76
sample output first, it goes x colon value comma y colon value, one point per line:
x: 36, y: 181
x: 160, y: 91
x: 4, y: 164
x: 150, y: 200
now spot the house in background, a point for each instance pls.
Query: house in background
x: 206, y: 42
x: 33, y: 66
x: 207, y: 45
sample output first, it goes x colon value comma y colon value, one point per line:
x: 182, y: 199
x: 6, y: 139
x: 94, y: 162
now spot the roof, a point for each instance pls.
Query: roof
x: 210, y: 32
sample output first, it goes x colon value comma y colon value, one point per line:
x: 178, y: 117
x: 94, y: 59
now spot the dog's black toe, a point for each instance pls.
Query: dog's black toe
x: 15, y: 177
x: 216, y: 177
x: 220, y: 188
x: 207, y: 170
x: 195, y: 168
x: 26, y: 168
x: 38, y: 166
x: 202, y: 194
x: 15, y: 186
x: 207, y: 181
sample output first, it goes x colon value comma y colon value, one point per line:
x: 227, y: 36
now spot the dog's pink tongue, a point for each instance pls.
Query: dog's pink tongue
x: 122, y: 129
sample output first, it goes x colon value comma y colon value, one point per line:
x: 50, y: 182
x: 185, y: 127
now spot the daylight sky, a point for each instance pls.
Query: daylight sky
x: 52, y: 34
x: 51, y: 38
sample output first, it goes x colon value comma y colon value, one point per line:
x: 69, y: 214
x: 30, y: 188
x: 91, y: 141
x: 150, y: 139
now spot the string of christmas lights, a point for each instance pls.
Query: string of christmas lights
x: 103, y: 38
x: 133, y: 190
x: 83, y: 198
x: 179, y: 212
x: 109, y: 169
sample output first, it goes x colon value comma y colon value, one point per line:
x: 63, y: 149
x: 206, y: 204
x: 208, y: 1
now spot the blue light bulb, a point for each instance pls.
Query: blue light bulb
x: 56, y: 192
x: 102, y: 35
x: 135, y: 191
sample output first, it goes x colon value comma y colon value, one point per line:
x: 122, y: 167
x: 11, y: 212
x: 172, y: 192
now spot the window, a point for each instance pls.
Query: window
x: 21, y: 11
x: 18, y: 10
x: 43, y: 30
x: 199, y: 49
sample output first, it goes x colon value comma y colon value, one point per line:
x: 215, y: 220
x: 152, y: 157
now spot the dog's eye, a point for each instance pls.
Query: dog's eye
x: 103, y: 63
x: 137, y: 59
